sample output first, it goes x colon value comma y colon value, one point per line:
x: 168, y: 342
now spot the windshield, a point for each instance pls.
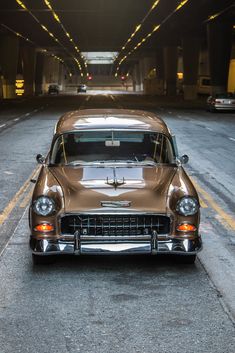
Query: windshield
x: 111, y: 146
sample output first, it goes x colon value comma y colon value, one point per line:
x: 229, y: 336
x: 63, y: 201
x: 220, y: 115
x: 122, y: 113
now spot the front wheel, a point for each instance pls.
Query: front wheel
x: 43, y: 260
x: 186, y: 259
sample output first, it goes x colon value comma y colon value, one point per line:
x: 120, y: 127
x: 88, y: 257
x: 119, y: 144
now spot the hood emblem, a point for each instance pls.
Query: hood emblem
x: 115, y: 204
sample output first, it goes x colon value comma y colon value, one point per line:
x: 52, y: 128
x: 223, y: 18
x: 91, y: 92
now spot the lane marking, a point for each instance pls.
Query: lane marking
x: 13, y: 234
x: 27, y: 198
x: 22, y: 116
x: 209, y: 128
x: 229, y: 220
x: 11, y: 205
x: 202, y: 203
x: 232, y: 139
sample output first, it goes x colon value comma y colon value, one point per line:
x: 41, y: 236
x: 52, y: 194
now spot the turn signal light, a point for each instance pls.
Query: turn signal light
x: 186, y: 228
x: 44, y: 227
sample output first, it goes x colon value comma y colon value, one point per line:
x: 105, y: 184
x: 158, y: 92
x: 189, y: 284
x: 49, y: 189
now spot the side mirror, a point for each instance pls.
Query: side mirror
x: 40, y: 159
x: 184, y: 159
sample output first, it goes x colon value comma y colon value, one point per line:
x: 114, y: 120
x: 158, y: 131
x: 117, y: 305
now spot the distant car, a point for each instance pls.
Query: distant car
x: 53, y: 89
x: 221, y: 101
x: 81, y: 88
x: 113, y: 183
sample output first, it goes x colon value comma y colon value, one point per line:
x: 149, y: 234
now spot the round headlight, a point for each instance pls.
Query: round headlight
x: 187, y: 206
x: 44, y: 206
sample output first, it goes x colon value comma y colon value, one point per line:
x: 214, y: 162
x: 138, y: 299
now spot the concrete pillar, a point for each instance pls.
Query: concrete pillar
x: 219, y: 44
x: 9, y: 49
x: 149, y: 63
x: 136, y: 78
x: 29, y: 61
x: 50, y: 72
x: 39, y: 73
x: 160, y: 71
x: 170, y: 67
x: 191, y: 50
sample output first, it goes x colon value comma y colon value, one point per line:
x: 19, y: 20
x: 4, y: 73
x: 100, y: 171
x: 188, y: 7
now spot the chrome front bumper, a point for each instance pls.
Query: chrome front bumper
x: 85, y: 247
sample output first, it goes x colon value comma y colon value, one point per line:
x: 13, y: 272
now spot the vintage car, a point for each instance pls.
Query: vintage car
x: 112, y: 183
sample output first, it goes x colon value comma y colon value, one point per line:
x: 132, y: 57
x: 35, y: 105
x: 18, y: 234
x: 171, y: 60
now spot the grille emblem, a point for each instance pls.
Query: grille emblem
x: 115, y: 204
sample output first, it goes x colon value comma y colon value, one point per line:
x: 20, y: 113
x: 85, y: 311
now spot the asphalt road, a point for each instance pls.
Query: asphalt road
x: 118, y: 304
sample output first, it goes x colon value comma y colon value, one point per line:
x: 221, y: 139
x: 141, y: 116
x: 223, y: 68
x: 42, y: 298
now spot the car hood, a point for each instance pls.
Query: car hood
x: 143, y: 189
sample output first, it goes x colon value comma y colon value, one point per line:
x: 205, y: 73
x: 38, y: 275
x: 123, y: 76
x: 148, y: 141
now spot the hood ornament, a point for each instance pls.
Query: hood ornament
x: 115, y: 204
x: 115, y: 182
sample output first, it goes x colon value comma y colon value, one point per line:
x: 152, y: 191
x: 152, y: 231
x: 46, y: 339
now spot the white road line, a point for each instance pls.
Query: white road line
x: 208, y: 128
x: 27, y: 114
x: 16, y: 119
x: 232, y: 139
x: 2, y: 125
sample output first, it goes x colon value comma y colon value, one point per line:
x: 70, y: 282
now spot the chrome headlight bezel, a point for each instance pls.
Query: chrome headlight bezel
x: 47, y: 201
x: 187, y: 206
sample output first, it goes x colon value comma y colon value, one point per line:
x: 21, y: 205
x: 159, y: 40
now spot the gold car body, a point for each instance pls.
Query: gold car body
x: 115, y: 207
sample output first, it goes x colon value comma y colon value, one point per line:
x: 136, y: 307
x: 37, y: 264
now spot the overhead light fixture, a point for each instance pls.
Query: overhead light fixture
x: 22, y: 4
x: 68, y: 35
x: 138, y: 27
x: 155, y: 29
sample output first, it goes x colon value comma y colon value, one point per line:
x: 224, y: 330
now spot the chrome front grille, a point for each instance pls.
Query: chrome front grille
x: 114, y: 225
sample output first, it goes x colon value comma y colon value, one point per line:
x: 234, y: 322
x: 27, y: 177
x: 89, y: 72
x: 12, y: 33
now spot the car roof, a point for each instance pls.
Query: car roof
x: 110, y: 119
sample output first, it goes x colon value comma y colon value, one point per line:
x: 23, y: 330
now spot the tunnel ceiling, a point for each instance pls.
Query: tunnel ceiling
x: 106, y: 25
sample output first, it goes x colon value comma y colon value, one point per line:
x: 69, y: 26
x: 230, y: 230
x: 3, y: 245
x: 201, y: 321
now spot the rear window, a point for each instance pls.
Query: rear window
x: 225, y: 95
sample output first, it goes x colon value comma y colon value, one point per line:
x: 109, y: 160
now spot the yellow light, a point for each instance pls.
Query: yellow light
x: 19, y: 87
x: 180, y: 75
x: 44, y: 27
x: 212, y: 17
x: 48, y: 4
x: 21, y: 4
x: 181, y: 5
x: 156, y: 28
x: 56, y: 17
x: 155, y: 4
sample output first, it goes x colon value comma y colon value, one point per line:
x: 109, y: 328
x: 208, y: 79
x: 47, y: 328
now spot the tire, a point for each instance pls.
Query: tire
x: 186, y: 259
x: 43, y: 260
x: 212, y: 109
